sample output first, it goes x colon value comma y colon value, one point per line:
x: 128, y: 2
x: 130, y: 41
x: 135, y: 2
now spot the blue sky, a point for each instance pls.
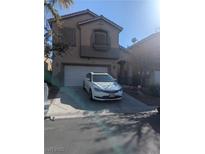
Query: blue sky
x: 139, y: 18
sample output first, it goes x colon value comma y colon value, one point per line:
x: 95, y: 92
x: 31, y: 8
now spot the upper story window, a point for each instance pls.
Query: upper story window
x: 101, y: 40
x: 69, y: 36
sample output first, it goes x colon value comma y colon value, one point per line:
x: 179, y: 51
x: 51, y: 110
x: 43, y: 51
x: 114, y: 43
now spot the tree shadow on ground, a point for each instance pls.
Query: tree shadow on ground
x: 140, y: 131
x: 53, y: 92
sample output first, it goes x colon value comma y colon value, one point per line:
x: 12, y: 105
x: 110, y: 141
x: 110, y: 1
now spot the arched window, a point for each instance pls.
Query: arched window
x: 101, y: 40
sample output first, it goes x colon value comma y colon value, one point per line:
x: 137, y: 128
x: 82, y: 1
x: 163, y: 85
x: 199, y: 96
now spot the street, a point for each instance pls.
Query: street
x: 121, y: 133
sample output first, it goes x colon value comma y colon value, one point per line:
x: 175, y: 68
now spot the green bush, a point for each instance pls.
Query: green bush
x: 47, y: 77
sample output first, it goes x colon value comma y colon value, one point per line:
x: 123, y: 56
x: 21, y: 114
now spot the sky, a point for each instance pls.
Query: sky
x: 139, y: 18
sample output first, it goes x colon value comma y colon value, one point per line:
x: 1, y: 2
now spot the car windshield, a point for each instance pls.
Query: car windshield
x: 102, y: 78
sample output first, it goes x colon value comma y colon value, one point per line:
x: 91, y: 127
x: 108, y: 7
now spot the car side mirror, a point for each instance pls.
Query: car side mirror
x: 115, y: 80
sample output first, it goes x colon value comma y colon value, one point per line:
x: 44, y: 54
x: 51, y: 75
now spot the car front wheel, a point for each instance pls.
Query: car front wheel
x: 83, y: 85
x: 91, y: 94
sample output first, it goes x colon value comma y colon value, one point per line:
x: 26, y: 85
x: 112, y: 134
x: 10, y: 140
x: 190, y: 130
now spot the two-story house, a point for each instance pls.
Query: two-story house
x: 93, y: 46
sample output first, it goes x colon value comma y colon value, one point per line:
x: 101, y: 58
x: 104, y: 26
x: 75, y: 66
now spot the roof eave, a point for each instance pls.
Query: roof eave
x: 73, y: 15
x: 99, y: 18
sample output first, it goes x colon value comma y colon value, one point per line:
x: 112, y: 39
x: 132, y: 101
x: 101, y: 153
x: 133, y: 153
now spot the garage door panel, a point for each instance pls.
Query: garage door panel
x: 74, y: 75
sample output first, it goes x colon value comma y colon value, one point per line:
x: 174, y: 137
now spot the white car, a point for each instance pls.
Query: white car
x: 102, y: 86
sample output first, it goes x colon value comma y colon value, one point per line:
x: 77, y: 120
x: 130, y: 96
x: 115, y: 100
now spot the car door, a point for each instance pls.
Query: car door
x: 87, y: 82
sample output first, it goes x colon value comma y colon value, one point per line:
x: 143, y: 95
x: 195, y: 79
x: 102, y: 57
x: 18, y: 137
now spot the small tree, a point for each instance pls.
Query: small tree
x: 49, y: 46
x: 50, y: 7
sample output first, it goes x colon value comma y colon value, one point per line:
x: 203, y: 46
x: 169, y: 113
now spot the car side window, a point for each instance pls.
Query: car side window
x: 88, y: 76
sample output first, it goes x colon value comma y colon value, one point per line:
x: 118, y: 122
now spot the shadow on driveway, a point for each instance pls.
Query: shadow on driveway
x: 79, y: 99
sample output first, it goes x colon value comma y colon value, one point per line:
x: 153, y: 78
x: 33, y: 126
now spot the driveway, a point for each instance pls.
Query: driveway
x: 75, y: 99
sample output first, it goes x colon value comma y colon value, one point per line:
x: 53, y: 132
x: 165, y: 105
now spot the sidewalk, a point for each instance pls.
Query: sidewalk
x: 63, y: 111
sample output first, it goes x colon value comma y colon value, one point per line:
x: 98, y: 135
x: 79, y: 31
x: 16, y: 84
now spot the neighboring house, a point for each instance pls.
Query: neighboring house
x: 93, y: 46
x: 141, y: 64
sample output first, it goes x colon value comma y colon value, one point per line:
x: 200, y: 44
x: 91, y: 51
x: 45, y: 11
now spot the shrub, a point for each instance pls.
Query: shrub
x: 47, y: 77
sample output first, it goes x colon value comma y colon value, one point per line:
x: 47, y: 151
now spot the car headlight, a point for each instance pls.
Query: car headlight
x: 97, y: 89
x: 120, y: 89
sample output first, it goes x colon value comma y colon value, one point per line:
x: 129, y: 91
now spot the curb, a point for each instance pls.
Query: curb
x: 92, y: 114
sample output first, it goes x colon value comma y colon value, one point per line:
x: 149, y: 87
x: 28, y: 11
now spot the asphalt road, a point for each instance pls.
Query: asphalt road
x: 120, y: 133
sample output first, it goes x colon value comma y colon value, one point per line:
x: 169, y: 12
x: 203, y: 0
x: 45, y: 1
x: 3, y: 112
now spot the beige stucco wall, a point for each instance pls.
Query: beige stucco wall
x: 72, y: 23
x: 87, y: 29
x: 147, y: 52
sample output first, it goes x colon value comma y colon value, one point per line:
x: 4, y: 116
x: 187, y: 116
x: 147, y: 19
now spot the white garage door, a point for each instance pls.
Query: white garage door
x: 74, y: 75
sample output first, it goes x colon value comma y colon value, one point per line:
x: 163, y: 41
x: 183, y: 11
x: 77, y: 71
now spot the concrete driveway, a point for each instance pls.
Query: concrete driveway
x: 72, y: 100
